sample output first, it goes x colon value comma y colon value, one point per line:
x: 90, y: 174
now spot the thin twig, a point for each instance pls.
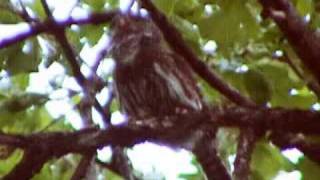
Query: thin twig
x: 41, y: 27
x: 312, y: 85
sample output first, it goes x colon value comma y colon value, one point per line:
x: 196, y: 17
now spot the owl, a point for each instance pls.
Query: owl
x: 150, y: 79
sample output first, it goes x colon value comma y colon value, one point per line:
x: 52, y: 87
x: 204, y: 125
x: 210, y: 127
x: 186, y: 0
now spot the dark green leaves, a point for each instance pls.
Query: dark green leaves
x: 21, y: 57
x: 257, y: 86
x: 267, y: 161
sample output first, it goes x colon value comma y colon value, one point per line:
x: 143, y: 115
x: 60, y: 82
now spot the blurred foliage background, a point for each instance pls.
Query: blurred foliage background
x: 247, y: 51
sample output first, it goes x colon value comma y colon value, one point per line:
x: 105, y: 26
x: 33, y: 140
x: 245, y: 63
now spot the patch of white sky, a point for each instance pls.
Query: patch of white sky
x: 146, y: 157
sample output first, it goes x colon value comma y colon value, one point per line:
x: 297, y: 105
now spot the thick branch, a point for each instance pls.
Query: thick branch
x: 57, y: 144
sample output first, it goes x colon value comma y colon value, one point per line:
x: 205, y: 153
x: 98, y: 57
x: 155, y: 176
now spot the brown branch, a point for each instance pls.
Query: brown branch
x: 304, y: 41
x: 57, y: 144
x: 244, y: 151
x: 41, y: 27
x: 59, y: 33
x: 31, y: 163
x: 108, y: 166
x: 84, y: 166
x: 276, y: 119
x: 312, y: 85
x: 17, y: 141
x: 46, y: 9
x: 286, y: 141
x: 206, y: 154
x: 122, y: 163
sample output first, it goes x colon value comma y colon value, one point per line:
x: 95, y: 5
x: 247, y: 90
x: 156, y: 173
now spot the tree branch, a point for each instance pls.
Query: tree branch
x: 122, y: 163
x: 33, y: 160
x: 57, y: 144
x: 206, y: 154
x: 41, y: 27
x: 84, y: 166
x: 59, y: 33
x: 286, y: 141
x: 245, y: 148
x: 304, y: 41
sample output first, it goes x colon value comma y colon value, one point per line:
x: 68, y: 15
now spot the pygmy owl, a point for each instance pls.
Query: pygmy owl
x: 150, y: 79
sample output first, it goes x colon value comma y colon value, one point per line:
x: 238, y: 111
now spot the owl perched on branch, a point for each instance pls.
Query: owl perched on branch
x: 150, y: 79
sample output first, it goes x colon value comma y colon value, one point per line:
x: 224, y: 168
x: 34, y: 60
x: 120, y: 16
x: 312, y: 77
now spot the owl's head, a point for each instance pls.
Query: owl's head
x: 131, y: 32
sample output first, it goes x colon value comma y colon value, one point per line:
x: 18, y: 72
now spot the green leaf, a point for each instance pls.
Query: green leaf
x: 257, y: 86
x: 20, y: 81
x: 111, y: 175
x: 233, y: 78
x: 166, y: 6
x: 267, y: 161
x: 31, y: 120
x: 59, y: 125
x: 186, y: 6
x: 37, y: 8
x: 8, y: 52
x: 7, y: 17
x: 282, y: 81
x: 61, y: 169
x: 7, y: 13
x: 92, y: 33
x: 25, y: 59
x: 115, y: 106
x: 232, y: 25
x: 96, y: 5
x: 113, y: 4
x: 309, y: 169
x: 196, y: 176
x: 4, y: 3
x: 6, y: 165
x: 21, y: 102
x: 24, y: 113
x: 190, y: 33
x: 305, y: 7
